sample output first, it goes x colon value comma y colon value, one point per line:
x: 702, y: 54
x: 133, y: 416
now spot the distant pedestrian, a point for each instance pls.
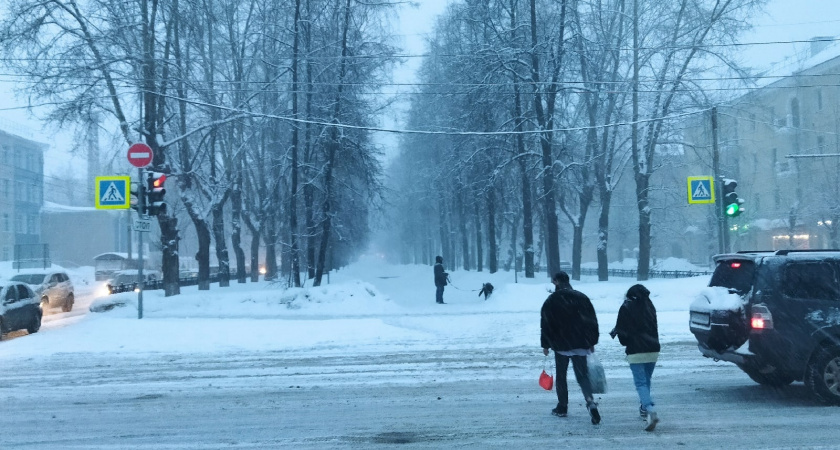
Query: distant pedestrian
x: 637, y: 330
x: 569, y: 326
x: 440, y: 279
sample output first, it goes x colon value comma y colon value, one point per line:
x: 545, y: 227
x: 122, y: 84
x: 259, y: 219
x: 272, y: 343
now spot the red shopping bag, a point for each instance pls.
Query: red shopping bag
x: 546, y: 381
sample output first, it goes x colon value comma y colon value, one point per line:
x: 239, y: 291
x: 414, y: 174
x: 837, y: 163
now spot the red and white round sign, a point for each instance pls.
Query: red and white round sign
x: 140, y: 155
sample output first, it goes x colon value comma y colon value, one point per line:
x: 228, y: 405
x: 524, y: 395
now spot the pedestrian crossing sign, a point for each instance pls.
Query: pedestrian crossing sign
x: 701, y: 190
x: 112, y: 192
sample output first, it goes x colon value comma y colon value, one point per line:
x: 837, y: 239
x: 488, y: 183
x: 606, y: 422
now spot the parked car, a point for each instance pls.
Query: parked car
x: 566, y: 266
x: 54, y: 288
x: 130, y: 277
x: 20, y: 308
x: 776, y: 315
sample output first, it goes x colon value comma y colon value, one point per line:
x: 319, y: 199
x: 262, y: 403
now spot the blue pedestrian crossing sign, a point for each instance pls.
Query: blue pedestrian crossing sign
x: 112, y: 192
x: 701, y: 190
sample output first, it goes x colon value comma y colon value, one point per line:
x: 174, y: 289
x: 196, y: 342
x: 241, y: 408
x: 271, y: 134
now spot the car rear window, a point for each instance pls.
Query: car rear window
x: 734, y: 274
x: 30, y: 278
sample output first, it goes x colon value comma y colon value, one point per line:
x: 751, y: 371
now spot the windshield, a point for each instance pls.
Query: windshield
x: 734, y: 274
x: 30, y: 278
x: 124, y: 278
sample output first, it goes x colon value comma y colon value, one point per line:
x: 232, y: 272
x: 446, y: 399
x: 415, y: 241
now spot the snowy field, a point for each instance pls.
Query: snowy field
x: 368, y: 360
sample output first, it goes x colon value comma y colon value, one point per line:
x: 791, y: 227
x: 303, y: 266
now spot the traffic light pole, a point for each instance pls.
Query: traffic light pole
x: 723, y: 226
x: 140, y: 211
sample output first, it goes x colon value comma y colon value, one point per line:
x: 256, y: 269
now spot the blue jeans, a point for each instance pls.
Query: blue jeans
x: 439, y: 294
x: 642, y: 372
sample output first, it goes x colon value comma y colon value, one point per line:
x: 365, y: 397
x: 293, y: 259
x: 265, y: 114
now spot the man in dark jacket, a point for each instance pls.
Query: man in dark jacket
x: 569, y: 327
x: 637, y: 330
x: 440, y: 279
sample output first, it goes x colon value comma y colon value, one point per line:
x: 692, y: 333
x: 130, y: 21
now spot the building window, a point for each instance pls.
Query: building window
x: 7, y: 224
x: 794, y: 113
x: 32, y: 224
x: 819, y: 100
x: 6, y: 255
x: 4, y: 185
x: 820, y: 144
x: 752, y: 122
x: 20, y: 192
x: 19, y: 223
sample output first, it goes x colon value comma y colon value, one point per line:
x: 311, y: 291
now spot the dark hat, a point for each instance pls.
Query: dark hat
x: 561, y: 277
x: 438, y: 259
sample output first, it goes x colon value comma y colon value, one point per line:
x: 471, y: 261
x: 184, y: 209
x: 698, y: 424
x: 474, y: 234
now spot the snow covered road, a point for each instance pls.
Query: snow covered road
x: 444, y: 399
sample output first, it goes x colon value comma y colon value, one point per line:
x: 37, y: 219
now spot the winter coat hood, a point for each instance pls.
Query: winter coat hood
x: 638, y: 292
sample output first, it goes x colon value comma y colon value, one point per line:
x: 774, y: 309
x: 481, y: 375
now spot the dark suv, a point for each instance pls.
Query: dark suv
x: 776, y: 315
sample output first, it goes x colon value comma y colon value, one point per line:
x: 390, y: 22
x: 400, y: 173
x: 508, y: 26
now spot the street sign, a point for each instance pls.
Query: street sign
x: 140, y: 155
x: 112, y: 192
x: 701, y: 190
x: 142, y: 225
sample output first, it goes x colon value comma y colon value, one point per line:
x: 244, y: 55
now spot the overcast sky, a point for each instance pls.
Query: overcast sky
x: 785, y: 20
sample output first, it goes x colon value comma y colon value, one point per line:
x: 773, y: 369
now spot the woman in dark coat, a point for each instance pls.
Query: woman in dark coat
x: 638, y: 331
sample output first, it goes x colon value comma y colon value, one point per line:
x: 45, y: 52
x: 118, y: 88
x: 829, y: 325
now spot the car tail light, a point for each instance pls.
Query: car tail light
x: 761, y: 318
x: 735, y: 265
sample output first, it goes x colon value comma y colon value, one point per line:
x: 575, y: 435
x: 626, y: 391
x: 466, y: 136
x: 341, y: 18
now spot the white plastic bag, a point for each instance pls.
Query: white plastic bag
x: 597, y: 377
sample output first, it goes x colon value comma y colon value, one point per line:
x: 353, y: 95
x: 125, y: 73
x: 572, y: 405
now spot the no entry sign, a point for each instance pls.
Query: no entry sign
x: 140, y: 155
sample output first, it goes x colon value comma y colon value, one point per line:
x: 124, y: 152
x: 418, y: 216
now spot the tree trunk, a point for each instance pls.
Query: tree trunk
x: 603, y: 234
x: 221, y: 244
x: 546, y: 124
x: 642, y: 203
x: 255, y: 249
x: 492, y: 247
x: 270, y: 240
x: 202, y: 256
x: 236, y: 230
x: 333, y: 145
x: 293, y: 194
x: 479, y: 241
x: 462, y: 229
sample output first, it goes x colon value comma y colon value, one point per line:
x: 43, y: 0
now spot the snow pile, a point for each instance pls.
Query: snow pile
x: 262, y: 299
x: 716, y: 298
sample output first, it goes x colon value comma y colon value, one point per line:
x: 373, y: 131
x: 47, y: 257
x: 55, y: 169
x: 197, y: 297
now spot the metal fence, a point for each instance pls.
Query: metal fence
x: 632, y: 273
x: 152, y: 285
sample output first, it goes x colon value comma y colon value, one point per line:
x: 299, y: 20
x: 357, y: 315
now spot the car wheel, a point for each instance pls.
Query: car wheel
x: 36, y: 323
x: 823, y: 375
x: 768, y: 376
x: 68, y: 303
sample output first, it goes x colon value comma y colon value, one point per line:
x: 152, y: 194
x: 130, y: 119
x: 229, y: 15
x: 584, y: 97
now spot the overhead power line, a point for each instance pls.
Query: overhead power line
x: 600, y: 49
x: 428, y: 132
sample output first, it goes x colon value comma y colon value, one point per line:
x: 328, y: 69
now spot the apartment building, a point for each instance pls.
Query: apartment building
x: 781, y: 142
x: 21, y: 193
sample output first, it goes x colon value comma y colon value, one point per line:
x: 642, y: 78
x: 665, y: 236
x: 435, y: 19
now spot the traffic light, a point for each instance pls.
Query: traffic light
x: 733, y: 205
x: 136, y: 197
x: 154, y: 193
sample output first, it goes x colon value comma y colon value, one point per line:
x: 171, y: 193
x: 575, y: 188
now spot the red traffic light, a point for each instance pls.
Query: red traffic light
x: 158, y: 180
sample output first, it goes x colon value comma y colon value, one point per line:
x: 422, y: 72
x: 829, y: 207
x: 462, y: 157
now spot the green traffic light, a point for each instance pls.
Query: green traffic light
x: 732, y: 209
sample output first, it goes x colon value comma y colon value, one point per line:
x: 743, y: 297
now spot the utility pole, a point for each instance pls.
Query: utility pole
x: 723, y: 226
